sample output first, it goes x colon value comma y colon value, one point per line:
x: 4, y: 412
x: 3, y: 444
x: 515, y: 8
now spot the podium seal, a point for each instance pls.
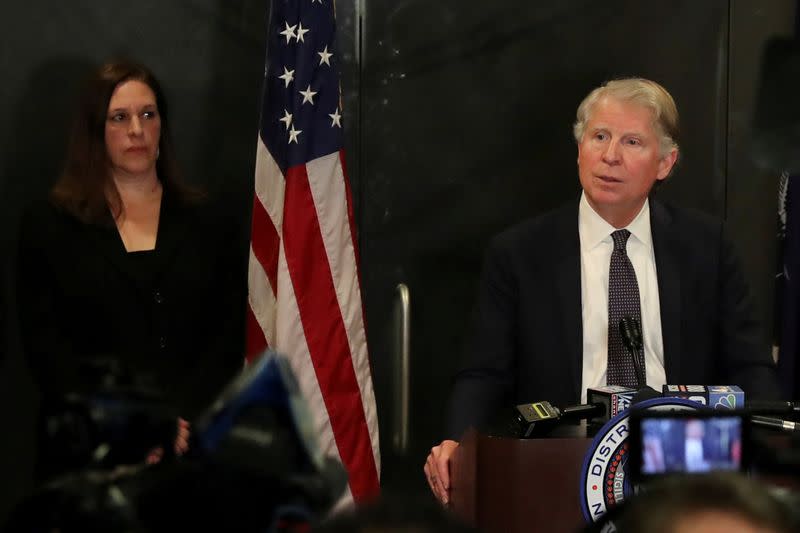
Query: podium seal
x: 604, y: 480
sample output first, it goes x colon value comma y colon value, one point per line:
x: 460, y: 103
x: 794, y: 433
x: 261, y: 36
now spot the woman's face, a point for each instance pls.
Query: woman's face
x: 133, y: 130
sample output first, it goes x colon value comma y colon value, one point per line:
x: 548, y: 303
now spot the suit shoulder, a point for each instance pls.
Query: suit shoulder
x: 539, y: 230
x: 689, y: 221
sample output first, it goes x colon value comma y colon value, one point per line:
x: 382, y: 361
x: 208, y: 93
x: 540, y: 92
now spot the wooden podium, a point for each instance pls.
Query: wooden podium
x: 516, y: 485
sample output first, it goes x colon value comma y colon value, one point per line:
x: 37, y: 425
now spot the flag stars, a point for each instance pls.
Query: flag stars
x: 289, y: 32
x: 287, y: 76
x: 300, y: 32
x: 308, y: 95
x: 335, y: 118
x: 293, y: 133
x: 325, y: 57
x: 287, y: 118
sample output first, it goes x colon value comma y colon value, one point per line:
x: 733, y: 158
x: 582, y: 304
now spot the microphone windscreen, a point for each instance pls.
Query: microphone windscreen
x: 636, y: 332
x: 626, y: 332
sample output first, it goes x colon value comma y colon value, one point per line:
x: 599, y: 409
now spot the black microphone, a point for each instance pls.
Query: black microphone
x: 544, y: 415
x: 643, y: 394
x: 631, y: 333
x: 775, y: 424
x: 724, y: 397
x: 613, y: 398
x: 766, y: 407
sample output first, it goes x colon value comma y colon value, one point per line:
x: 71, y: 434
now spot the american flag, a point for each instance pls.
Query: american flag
x: 304, y: 292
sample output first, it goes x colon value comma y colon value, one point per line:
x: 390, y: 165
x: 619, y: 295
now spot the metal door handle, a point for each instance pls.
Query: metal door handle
x: 402, y: 368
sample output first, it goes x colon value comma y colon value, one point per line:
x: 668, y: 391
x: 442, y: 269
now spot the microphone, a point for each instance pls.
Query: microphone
x: 766, y: 407
x: 714, y: 396
x: 731, y: 397
x: 613, y: 398
x: 631, y: 333
x: 645, y: 393
x: 544, y: 415
x: 774, y: 424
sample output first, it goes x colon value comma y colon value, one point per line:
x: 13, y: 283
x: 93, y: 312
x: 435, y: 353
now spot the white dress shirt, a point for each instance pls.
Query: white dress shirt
x: 596, y: 248
x: 693, y: 456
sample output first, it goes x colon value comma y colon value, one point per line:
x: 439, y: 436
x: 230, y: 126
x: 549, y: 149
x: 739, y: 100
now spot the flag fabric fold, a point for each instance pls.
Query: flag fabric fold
x: 304, y: 291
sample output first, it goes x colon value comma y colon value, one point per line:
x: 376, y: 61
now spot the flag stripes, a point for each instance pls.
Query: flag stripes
x: 305, y: 297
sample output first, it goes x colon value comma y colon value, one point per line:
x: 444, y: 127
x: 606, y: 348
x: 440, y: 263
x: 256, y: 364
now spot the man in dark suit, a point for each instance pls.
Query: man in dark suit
x: 542, y: 326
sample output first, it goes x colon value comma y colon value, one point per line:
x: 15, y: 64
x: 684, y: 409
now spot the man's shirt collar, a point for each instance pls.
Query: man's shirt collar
x: 595, y: 230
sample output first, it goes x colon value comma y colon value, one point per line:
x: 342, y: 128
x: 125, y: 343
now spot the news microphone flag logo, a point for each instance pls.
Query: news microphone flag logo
x: 304, y: 289
x: 715, y: 396
x: 726, y: 402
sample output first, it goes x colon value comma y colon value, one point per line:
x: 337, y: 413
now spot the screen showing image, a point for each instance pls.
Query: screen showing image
x: 683, y: 444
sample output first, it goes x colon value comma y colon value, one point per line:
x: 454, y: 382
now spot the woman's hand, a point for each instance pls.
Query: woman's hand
x: 181, y: 444
x: 182, y: 439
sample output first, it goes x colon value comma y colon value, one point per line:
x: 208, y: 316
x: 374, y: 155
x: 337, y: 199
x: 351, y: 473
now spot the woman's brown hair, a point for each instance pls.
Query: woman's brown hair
x: 83, y: 187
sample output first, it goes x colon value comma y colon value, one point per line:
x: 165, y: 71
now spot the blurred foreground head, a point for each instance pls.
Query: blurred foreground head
x: 707, y: 504
x: 395, y: 513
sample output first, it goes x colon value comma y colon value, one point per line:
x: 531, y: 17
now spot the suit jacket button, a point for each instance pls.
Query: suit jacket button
x: 157, y: 297
x: 162, y: 342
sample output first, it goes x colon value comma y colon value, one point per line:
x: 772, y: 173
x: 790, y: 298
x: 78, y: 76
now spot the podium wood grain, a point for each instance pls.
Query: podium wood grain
x: 515, y: 485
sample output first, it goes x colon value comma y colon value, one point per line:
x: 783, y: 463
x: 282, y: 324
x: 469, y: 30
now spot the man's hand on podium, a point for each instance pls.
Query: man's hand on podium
x: 437, y: 469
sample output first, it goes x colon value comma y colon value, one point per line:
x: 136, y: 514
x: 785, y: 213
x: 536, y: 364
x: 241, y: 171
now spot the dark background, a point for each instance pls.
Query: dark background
x: 458, y: 122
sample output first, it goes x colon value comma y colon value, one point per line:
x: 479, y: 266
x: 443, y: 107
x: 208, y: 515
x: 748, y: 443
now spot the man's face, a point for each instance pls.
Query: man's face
x: 619, y: 159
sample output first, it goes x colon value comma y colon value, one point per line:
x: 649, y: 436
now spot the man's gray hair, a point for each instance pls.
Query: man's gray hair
x: 639, y: 91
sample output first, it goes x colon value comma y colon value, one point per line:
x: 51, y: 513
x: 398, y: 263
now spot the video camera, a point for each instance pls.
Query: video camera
x: 252, y: 463
x: 116, y: 417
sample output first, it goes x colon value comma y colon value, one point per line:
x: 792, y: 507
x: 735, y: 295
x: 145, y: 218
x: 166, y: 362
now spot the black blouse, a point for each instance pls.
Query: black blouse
x: 173, y: 317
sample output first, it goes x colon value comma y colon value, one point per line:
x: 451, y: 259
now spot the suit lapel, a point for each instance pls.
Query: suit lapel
x: 568, y: 279
x: 667, y: 256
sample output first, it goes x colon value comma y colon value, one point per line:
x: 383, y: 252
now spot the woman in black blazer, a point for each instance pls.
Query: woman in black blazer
x: 127, y: 267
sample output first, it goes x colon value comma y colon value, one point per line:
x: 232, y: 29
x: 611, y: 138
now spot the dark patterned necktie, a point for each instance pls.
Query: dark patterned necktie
x: 623, y: 300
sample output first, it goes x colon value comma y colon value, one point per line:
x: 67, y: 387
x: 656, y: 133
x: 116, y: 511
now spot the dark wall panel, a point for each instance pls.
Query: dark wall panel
x: 752, y: 192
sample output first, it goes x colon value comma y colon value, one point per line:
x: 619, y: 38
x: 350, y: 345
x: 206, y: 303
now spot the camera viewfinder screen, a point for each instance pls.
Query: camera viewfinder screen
x: 691, y: 444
